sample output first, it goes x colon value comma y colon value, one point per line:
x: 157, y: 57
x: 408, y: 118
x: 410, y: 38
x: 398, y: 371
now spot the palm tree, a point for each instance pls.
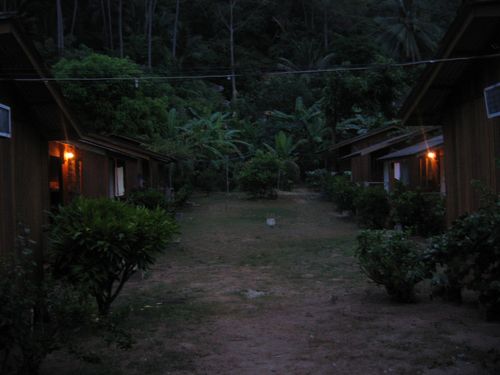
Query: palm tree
x: 408, y: 35
x: 307, y: 56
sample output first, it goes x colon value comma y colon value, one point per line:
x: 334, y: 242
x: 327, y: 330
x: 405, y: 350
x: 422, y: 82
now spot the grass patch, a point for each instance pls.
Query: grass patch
x: 321, y: 258
x: 144, y: 309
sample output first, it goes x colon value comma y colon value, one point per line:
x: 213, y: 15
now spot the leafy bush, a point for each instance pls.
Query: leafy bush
x: 36, y: 317
x: 372, y: 207
x: 259, y: 175
x: 289, y: 175
x: 342, y: 191
x: 469, y: 257
x: 97, y: 244
x: 390, y: 259
x: 180, y: 197
x: 149, y: 198
x: 422, y: 213
x: 316, y: 179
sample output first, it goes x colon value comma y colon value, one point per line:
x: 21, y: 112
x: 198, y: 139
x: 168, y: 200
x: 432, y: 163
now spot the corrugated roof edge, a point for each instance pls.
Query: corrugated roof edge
x: 415, y: 149
x: 364, y: 136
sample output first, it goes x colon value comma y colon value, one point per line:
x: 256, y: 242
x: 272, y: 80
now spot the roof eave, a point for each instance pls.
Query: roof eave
x: 469, y: 11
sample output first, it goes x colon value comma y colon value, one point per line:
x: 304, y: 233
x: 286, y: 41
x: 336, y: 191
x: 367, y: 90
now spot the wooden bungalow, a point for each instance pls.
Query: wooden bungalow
x: 463, y: 94
x: 343, y: 148
x: 99, y: 166
x: 365, y: 166
x: 420, y: 166
x: 45, y: 158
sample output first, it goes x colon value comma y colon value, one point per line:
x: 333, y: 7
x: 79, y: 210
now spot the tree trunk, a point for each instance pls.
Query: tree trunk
x: 151, y: 10
x: 306, y: 18
x: 73, y: 21
x: 110, y: 26
x: 325, y: 30
x: 120, y: 26
x: 60, y: 28
x: 231, y: 47
x: 176, y: 25
x: 104, y: 25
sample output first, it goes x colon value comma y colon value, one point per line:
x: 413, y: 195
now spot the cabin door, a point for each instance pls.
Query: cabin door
x: 55, y: 182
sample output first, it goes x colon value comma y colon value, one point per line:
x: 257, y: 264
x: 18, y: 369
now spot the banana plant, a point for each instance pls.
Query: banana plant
x: 284, y: 146
x: 301, y: 116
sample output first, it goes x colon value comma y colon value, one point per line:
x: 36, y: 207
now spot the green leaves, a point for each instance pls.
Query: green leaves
x: 259, y: 175
x: 409, y: 34
x: 391, y: 259
x: 118, y: 238
x: 469, y: 253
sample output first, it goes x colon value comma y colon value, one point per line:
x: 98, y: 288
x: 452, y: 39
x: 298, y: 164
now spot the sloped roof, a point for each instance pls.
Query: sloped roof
x: 393, y: 141
x: 124, y: 145
x: 362, y: 137
x: 415, y: 149
x: 474, y: 33
x: 22, y: 67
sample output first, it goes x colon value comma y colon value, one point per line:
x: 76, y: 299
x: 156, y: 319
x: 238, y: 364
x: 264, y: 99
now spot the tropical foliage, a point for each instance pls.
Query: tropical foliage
x: 98, y: 244
x: 127, y: 67
x: 391, y: 259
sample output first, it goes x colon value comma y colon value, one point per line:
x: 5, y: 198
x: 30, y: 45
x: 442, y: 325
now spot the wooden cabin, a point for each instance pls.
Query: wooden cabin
x: 45, y: 158
x: 365, y: 164
x: 419, y: 166
x: 99, y: 166
x: 463, y: 95
x: 341, y: 149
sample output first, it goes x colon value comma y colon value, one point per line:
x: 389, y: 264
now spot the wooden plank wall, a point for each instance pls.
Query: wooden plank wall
x: 95, y: 174
x: 7, y: 219
x: 471, y: 140
x: 31, y: 181
x: 132, y: 172
x: 24, y: 190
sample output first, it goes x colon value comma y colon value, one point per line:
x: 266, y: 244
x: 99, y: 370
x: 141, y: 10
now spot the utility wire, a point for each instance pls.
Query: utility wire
x: 229, y: 75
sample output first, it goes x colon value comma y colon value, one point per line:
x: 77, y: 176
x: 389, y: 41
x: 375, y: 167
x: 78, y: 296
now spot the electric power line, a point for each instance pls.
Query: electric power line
x: 229, y: 75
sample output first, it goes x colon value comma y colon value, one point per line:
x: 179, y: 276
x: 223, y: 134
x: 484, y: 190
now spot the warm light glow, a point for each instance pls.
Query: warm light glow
x: 68, y: 155
x: 431, y: 155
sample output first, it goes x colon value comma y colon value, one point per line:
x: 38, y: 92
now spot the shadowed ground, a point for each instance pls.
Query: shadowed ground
x: 237, y: 297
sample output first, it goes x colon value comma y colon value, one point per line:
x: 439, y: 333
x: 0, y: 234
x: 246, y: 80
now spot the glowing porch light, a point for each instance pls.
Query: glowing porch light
x: 431, y: 155
x: 68, y: 155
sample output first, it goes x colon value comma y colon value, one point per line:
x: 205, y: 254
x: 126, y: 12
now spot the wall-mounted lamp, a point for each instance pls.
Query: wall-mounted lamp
x: 68, y: 155
x: 431, y: 155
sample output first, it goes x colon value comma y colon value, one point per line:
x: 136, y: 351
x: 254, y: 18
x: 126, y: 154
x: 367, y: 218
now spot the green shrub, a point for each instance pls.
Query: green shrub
x: 289, y: 175
x: 180, y: 197
x: 468, y: 256
x: 97, y: 244
x: 342, y: 191
x: 259, y: 175
x: 316, y: 179
x: 390, y: 259
x: 422, y: 213
x: 372, y: 207
x: 36, y: 317
x: 149, y: 198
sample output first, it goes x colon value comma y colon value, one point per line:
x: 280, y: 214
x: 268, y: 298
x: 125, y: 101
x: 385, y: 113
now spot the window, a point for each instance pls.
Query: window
x: 120, y: 181
x: 492, y: 99
x: 5, y: 121
x: 116, y: 178
x: 397, y: 171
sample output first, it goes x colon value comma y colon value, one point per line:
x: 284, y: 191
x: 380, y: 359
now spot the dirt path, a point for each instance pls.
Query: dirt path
x: 237, y: 297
